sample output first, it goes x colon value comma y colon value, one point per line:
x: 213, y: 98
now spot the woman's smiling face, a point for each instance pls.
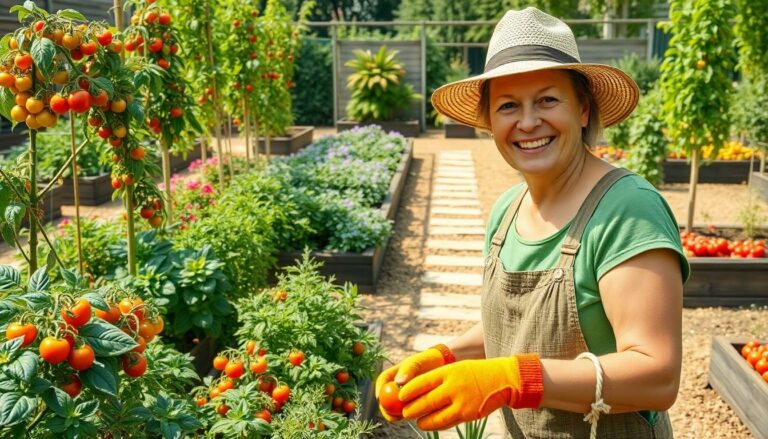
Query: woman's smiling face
x: 536, y: 120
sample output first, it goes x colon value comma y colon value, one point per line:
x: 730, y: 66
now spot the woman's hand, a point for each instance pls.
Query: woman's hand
x: 410, y: 368
x: 472, y: 389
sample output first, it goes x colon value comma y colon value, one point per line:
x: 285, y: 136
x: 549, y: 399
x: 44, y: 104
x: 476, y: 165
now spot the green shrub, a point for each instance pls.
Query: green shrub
x: 644, y: 72
x: 313, y: 94
x: 648, y: 144
x: 750, y: 110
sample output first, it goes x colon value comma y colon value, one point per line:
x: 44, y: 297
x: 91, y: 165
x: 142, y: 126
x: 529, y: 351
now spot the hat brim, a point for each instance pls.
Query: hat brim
x: 615, y: 92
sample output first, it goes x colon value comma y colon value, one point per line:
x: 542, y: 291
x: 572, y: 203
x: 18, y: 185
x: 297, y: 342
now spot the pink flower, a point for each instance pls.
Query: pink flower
x: 193, y: 184
x: 207, y: 189
x: 64, y: 222
x: 188, y: 206
x: 192, y: 218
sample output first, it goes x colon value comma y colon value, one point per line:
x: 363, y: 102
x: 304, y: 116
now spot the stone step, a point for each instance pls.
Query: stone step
x: 442, y: 194
x: 454, y: 261
x: 454, y: 168
x: 455, y: 222
x: 456, y: 211
x: 447, y: 299
x: 441, y: 278
x: 455, y: 245
x: 456, y: 181
x: 455, y: 202
x: 455, y: 188
x: 447, y: 230
x: 449, y: 313
x: 461, y: 153
x: 468, y: 175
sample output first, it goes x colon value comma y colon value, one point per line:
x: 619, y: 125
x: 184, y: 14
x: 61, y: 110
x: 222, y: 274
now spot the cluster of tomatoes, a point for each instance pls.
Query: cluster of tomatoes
x: 157, y: 22
x: 709, y: 246
x: 756, y: 355
x: 38, y: 104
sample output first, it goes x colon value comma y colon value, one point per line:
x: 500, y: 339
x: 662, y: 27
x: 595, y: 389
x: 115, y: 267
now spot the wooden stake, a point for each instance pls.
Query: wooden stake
x: 167, y: 182
x: 247, y: 122
x: 692, y: 189
x: 216, y: 114
x: 76, y: 189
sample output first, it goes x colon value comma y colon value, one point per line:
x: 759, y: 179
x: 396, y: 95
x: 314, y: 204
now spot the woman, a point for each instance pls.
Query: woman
x: 583, y: 260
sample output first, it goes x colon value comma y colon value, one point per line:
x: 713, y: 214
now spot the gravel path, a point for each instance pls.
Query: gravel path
x: 699, y: 412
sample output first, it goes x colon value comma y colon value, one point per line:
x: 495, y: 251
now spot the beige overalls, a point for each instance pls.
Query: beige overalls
x: 536, y: 312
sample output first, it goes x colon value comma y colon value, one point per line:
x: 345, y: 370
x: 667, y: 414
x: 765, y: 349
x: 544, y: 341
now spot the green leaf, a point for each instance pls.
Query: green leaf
x: 58, y: 401
x: 37, y: 301
x: 100, y: 377
x: 136, y: 110
x: 39, y: 282
x: 102, y: 83
x: 88, y: 408
x: 7, y: 311
x: 9, y: 278
x: 10, y: 346
x: 106, y: 339
x: 43, y: 50
x: 23, y: 367
x: 39, y: 385
x: 71, y: 14
x: 14, y: 214
x: 170, y: 430
x: 15, y: 408
x: 70, y: 277
x: 96, y: 300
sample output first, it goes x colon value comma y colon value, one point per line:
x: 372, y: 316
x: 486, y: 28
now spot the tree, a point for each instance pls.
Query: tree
x: 696, y: 79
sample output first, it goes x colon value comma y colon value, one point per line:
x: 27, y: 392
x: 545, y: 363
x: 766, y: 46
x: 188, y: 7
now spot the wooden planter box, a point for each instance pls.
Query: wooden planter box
x: 94, y: 191
x: 202, y: 355
x: 760, y: 184
x: 367, y: 388
x: 739, y: 385
x: 179, y: 163
x: 297, y: 138
x: 360, y: 268
x: 50, y: 204
x: 717, y: 171
x: 726, y: 282
x: 409, y: 128
x: 455, y: 130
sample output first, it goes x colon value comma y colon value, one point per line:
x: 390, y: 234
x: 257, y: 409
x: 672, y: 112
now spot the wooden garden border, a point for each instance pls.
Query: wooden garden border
x: 295, y: 139
x: 93, y: 190
x: 727, y: 282
x: 738, y: 384
x: 717, y: 171
x: 455, y: 130
x: 363, y: 268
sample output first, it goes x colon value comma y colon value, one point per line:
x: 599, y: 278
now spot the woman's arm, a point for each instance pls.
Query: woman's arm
x: 469, y: 345
x: 643, y: 300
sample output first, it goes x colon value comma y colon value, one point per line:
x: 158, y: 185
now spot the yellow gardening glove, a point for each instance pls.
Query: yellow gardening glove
x: 472, y: 389
x: 411, y: 367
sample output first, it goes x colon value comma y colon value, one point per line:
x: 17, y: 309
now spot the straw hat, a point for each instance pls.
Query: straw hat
x: 530, y: 40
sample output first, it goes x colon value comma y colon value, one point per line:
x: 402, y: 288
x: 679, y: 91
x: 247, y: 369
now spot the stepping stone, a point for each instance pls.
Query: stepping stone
x: 455, y: 222
x: 434, y: 299
x: 441, y: 278
x: 456, y: 169
x: 454, y: 261
x: 455, y: 245
x: 465, y: 195
x: 456, y: 153
x: 469, y: 175
x: 456, y: 202
x: 455, y: 188
x: 457, y: 231
x: 456, y: 181
x: 423, y: 342
x: 449, y: 313
x: 457, y: 163
x: 455, y: 211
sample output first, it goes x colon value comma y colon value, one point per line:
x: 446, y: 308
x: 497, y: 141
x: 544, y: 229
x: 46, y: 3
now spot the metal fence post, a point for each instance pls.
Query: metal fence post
x: 424, y: 77
x: 334, y: 63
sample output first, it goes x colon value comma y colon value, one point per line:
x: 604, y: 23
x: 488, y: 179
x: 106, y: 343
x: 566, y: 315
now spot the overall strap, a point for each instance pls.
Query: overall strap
x: 501, y: 232
x: 576, y: 230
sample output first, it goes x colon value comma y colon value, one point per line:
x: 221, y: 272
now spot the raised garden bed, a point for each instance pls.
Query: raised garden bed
x: 295, y: 139
x: 363, y: 268
x: 739, y: 385
x: 178, y: 162
x: 717, y: 171
x: 760, y: 184
x: 94, y: 191
x: 203, y: 354
x: 455, y: 130
x: 409, y: 128
x: 51, y: 203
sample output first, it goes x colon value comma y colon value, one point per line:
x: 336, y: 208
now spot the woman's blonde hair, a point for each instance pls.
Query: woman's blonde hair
x: 584, y: 94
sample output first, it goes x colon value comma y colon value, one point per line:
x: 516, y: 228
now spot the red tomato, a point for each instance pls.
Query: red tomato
x: 220, y: 362
x: 142, y: 345
x: 234, y: 369
x: 281, y: 394
x: 329, y: 389
x: 77, y: 315
x: 79, y: 101
x: 81, y: 358
x: 754, y: 357
x: 72, y: 386
x: 16, y: 329
x: 112, y: 316
x: 342, y: 377
x: 88, y: 48
x: 389, y: 400
x: 134, y: 364
x: 225, y: 385
x: 250, y: 347
x: 762, y: 365
x: 59, y: 104
x: 132, y: 306
x: 264, y: 415
x: 105, y: 38
x: 222, y: 409
x: 296, y: 358
x: 259, y: 366
x: 349, y: 406
x: 358, y: 349
x: 757, y: 252
x: 54, y: 350
x: 201, y: 401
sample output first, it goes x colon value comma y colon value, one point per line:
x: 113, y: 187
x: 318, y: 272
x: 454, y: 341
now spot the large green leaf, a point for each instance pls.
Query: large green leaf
x: 96, y: 300
x: 106, y: 339
x: 6, y: 103
x: 100, y: 377
x: 9, y: 277
x: 58, y: 401
x: 23, y: 367
x: 39, y: 282
x: 71, y: 14
x: 14, y: 213
x: 43, y: 50
x: 15, y: 408
x: 102, y: 83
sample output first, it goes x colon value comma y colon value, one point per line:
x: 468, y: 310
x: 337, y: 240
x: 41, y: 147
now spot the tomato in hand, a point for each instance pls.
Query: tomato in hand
x: 81, y: 358
x: 54, y: 350
x: 16, y: 329
x: 296, y: 358
x: 234, y: 369
x: 134, y: 364
x: 389, y: 400
x: 77, y: 315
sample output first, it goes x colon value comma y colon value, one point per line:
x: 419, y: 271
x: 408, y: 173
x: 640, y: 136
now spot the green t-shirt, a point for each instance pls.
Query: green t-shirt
x: 631, y: 218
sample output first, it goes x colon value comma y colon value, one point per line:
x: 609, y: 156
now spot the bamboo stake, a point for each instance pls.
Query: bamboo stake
x: 216, y: 115
x: 692, y: 189
x: 167, y: 180
x: 76, y: 189
x: 33, y: 201
x: 246, y: 120
x: 204, y: 148
x: 229, y: 149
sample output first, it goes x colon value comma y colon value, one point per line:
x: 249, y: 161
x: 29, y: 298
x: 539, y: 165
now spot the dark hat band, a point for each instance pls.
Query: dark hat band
x: 528, y: 53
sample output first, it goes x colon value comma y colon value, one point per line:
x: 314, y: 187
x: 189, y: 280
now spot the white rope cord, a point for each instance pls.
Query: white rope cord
x: 599, y: 406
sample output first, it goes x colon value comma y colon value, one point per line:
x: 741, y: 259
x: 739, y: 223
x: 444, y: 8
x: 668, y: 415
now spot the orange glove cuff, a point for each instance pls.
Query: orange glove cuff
x: 448, y: 356
x: 531, y: 382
